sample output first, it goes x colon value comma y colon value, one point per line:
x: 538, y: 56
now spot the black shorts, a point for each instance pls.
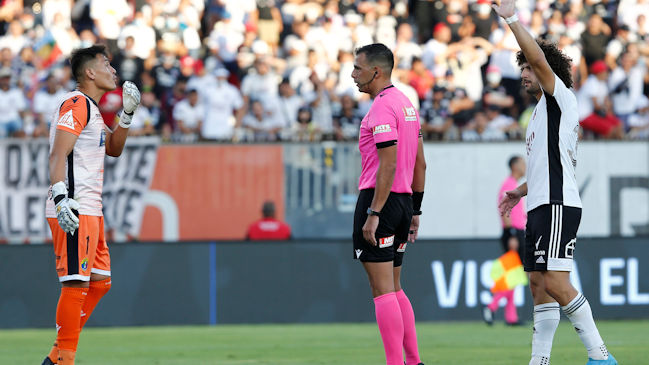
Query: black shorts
x: 513, y: 232
x: 392, y: 233
x: 550, y: 238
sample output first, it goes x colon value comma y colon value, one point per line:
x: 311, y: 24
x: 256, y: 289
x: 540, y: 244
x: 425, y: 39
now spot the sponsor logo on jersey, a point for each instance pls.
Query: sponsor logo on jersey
x: 66, y: 120
x: 410, y: 114
x: 84, y: 264
x: 386, y: 241
x: 102, y: 137
x: 528, y: 143
x: 381, y: 128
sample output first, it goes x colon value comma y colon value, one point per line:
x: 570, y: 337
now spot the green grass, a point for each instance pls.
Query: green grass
x: 440, y: 343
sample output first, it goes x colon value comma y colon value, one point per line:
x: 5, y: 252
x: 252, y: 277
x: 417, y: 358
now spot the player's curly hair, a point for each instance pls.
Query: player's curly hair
x: 559, y: 62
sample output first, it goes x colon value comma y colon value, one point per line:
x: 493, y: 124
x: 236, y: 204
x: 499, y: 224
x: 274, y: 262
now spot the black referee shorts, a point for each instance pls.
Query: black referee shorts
x: 392, y: 232
x: 551, y: 237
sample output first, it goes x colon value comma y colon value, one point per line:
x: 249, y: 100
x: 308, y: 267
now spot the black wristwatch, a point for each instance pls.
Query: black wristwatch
x: 373, y: 212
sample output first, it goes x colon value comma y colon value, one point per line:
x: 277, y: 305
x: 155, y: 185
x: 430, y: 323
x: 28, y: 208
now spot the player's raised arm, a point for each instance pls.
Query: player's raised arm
x: 533, y: 53
x: 116, y: 139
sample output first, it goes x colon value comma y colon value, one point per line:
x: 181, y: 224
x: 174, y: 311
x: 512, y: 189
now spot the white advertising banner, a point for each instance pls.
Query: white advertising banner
x: 25, y: 180
x: 463, y: 180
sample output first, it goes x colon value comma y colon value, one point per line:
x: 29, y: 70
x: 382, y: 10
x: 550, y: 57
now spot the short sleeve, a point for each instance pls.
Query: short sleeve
x: 564, y: 97
x: 383, y: 124
x: 73, y: 114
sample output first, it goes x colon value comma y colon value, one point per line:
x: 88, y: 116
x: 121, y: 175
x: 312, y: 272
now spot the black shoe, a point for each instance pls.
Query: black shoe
x: 47, y: 361
x: 488, y: 315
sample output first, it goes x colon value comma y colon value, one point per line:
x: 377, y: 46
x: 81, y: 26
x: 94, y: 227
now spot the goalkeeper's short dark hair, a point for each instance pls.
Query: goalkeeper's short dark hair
x: 81, y: 56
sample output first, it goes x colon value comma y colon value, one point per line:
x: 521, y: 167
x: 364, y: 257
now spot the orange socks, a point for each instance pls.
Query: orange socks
x: 96, y: 291
x: 67, y: 322
x: 74, y: 308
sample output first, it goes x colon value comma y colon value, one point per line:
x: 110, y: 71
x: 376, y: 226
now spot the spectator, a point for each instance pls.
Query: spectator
x: 268, y: 227
x: 288, y: 104
x: 223, y: 104
x: 269, y: 22
x: 434, y: 51
x: 436, y: 116
x: 494, y: 93
x: 145, y: 42
x: 305, y: 130
x: 626, y: 83
x: 405, y: 49
x: 261, y: 84
x: 224, y: 41
x: 617, y: 45
x: 147, y: 116
x: 347, y: 120
x: 15, y: 38
x: 594, y: 41
x: 595, y: 111
x: 502, y: 122
x: 46, y: 100
x: 421, y: 79
x: 110, y: 17
x: 188, y: 115
x: 128, y: 65
x: 479, y: 129
x: 13, y: 106
x: 259, y: 127
x: 639, y: 121
x: 484, y: 19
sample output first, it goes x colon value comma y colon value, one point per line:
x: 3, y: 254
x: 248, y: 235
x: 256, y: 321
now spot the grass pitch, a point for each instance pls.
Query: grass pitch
x: 440, y: 343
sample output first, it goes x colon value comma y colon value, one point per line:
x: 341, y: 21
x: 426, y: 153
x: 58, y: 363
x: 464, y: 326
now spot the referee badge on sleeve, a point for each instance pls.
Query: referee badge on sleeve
x: 386, y: 241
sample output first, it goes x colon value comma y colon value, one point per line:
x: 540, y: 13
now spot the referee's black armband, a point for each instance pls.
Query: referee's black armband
x: 417, y: 197
x: 386, y: 144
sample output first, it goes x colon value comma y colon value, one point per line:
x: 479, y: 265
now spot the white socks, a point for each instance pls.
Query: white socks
x: 579, y: 313
x: 546, y: 320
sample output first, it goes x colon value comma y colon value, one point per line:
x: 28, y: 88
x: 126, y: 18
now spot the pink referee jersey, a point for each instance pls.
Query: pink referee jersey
x: 79, y: 115
x: 390, y: 118
x: 517, y: 215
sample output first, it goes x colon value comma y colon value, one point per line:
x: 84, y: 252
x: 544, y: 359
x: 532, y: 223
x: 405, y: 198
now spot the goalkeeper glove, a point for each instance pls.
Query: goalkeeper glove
x: 130, y: 100
x: 66, y: 208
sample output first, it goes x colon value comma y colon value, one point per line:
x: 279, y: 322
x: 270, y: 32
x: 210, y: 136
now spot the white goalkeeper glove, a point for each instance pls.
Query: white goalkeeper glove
x: 66, y: 208
x: 130, y: 101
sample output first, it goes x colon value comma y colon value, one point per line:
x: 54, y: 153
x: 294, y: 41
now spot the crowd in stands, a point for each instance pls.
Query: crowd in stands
x: 272, y: 70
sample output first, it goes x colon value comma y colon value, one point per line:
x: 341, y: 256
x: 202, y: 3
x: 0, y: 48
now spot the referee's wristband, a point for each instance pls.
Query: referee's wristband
x: 417, y: 197
x: 511, y: 19
x: 416, y: 212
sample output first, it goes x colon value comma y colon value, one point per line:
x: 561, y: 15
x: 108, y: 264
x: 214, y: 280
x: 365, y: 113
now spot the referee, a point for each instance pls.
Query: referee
x: 391, y: 190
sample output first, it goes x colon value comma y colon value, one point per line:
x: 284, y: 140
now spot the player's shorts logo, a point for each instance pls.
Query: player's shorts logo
x: 570, y: 248
x: 386, y: 241
x: 402, y: 247
x: 84, y: 264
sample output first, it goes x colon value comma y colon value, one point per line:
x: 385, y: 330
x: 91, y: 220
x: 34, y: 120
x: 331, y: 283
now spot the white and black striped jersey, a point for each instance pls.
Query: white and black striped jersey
x: 551, y: 142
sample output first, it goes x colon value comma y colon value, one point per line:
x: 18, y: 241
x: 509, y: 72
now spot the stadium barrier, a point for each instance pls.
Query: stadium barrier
x: 175, y: 193
x: 304, y: 281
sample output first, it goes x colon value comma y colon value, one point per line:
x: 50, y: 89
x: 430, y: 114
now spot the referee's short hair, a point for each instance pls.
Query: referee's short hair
x: 81, y: 56
x: 378, y: 55
x: 513, y: 160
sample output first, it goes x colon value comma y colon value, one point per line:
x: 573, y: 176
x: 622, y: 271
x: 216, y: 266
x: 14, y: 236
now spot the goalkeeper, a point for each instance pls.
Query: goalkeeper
x: 79, y: 141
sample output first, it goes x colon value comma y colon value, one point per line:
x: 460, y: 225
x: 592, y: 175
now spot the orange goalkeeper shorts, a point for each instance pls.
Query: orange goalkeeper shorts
x: 82, y: 253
